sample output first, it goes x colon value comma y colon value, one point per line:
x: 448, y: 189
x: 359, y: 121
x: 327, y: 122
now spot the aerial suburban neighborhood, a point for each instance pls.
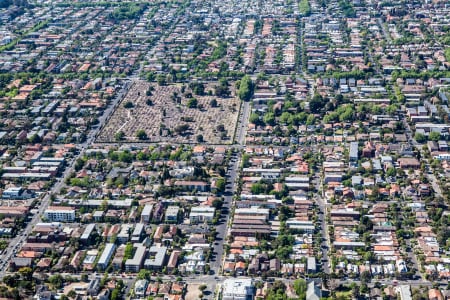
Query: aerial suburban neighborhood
x: 224, y: 150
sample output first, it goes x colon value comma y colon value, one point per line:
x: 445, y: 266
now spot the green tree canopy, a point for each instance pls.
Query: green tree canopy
x: 141, y: 134
x: 269, y: 118
x: 220, y: 184
x: 420, y: 138
x: 434, y: 136
x: 246, y: 88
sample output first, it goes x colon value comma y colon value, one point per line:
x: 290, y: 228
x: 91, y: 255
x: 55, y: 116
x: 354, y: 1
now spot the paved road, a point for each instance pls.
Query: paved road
x: 432, y: 179
x: 231, y: 189
x: 221, y: 229
x: 434, y: 183
x: 392, y: 282
x: 323, y: 210
x: 413, y: 259
x: 386, y: 34
x: 325, y: 243
x: 242, y: 123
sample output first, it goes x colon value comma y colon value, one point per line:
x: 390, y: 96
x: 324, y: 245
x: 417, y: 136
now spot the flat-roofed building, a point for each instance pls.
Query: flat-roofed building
x: 404, y: 292
x: 124, y: 235
x: 332, y: 177
x: 348, y: 245
x: 106, y: 256
x: 117, y: 262
x: 200, y: 214
x: 135, y: 264
x: 353, y: 153
x: 157, y: 258
x: 300, y: 225
x: 146, y: 215
x: 16, y: 193
x: 252, y: 211
x: 311, y: 264
x: 238, y: 289
x: 140, y: 287
x: 172, y: 213
x: 87, y: 233
x: 173, y: 260
x: 138, y: 232
x: 60, y: 214
x: 345, y: 213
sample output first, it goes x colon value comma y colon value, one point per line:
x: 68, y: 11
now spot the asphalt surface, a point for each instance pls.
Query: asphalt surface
x: 325, y: 243
x: 230, y: 191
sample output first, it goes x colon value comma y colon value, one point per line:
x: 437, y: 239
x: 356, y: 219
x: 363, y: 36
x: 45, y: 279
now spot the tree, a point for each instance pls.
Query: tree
x: 222, y: 90
x: 390, y: 172
x: 128, y: 104
x: 277, y: 291
x: 245, y: 160
x: 141, y: 134
x: 115, y: 294
x: 26, y: 273
x: 161, y: 79
x: 128, y: 253
x: 246, y: 88
x: 192, y: 103
x: 198, y: 88
x: 304, y: 8
x: 202, y: 287
x: 72, y: 294
x: 141, y: 156
x: 283, y: 252
x: 144, y: 274
x: 434, y: 136
x: 254, y: 118
x: 285, y: 118
x: 181, y: 129
x: 420, y: 138
x: 316, y: 103
x: 213, y: 103
x: 300, y: 288
x: 369, y: 256
x: 56, y: 281
x: 391, y: 109
x: 119, y: 135
x: 35, y: 139
x: 217, y: 203
x: 284, y: 214
x: 199, y: 138
x: 127, y: 12
x: 11, y: 280
x: 269, y: 118
x: 220, y: 185
x: 310, y: 120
